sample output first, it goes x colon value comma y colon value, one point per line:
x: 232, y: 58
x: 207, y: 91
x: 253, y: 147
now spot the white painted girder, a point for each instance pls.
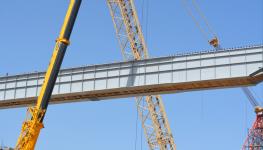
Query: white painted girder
x: 184, y: 72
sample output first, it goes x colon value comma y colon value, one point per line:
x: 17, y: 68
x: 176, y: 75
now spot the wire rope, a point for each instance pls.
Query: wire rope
x: 205, y: 35
x: 136, y: 130
x: 209, y: 27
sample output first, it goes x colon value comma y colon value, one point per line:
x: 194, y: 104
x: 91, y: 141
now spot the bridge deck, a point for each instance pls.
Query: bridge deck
x: 179, y: 73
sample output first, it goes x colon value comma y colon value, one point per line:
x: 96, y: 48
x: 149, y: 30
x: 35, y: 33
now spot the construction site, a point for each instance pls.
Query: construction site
x: 131, y: 75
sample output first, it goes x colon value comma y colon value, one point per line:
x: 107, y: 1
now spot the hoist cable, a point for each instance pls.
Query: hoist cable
x: 147, y: 20
x: 137, y: 110
x: 203, y: 17
x: 205, y: 34
x: 136, y: 130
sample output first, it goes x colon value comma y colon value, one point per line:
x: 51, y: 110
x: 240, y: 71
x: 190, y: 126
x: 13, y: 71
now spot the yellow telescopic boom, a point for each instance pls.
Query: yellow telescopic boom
x: 32, y: 126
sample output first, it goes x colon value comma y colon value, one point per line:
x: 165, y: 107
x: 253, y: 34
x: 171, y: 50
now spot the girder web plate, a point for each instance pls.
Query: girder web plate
x: 215, y: 69
x: 135, y: 91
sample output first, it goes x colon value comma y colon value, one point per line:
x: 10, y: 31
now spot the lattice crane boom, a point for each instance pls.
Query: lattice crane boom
x: 150, y: 108
x: 254, y: 140
x: 252, y: 99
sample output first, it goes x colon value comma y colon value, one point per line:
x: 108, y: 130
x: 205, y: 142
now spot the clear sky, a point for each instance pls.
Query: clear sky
x: 204, y: 120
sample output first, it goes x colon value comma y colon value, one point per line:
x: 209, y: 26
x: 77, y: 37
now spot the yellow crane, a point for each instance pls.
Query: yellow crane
x: 133, y: 46
x: 34, y: 123
x: 129, y: 33
x: 150, y: 108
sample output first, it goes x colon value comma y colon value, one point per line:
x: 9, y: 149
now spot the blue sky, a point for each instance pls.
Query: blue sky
x: 203, y: 120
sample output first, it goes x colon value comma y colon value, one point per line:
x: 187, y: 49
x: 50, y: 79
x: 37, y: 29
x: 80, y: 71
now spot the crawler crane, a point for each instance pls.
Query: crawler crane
x: 32, y: 126
x: 158, y: 132
x: 150, y: 108
x: 133, y: 46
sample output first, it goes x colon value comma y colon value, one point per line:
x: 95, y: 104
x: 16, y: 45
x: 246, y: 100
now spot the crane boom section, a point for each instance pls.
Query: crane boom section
x: 250, y: 97
x: 150, y: 108
x: 128, y: 29
x: 254, y: 140
x: 32, y: 126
